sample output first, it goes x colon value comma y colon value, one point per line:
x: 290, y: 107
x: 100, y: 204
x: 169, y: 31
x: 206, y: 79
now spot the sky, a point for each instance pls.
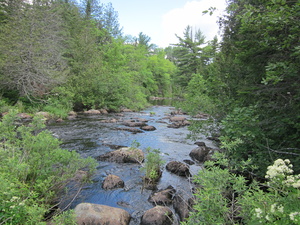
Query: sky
x: 162, y: 19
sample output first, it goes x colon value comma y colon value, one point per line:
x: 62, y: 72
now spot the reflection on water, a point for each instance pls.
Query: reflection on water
x: 91, y: 137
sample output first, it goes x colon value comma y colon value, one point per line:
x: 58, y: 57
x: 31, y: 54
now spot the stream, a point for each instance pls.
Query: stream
x: 90, y: 136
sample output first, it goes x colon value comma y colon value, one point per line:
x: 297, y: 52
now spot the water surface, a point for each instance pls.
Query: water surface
x: 89, y: 136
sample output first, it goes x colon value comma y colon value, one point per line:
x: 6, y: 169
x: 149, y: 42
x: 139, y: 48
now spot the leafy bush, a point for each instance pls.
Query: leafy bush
x: 59, y: 103
x: 34, y: 169
x: 153, y: 164
x: 227, y: 198
x: 4, y: 107
x: 66, y: 218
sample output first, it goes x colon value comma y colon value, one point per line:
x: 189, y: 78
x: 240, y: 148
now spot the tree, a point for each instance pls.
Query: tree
x: 111, y: 21
x: 32, y: 48
x: 162, y: 71
x: 103, y: 14
x: 262, y: 59
x: 188, y: 54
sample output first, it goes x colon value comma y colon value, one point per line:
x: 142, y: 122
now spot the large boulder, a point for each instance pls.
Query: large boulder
x: 164, y: 197
x: 124, y: 155
x: 159, y: 215
x: 201, y: 153
x: 178, y: 168
x: 87, y: 213
x: 112, y: 181
x: 183, y: 206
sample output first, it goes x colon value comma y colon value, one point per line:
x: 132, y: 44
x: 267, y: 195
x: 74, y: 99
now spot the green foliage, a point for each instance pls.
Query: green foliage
x: 278, y: 205
x: 4, y: 107
x: 153, y: 164
x: 32, y: 48
x: 59, y: 103
x: 249, y: 84
x: 34, y: 170
x: 216, y: 198
x: 65, y: 218
x: 227, y: 198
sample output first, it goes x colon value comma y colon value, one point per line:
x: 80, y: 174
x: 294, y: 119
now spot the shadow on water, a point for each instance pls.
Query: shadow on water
x: 89, y: 136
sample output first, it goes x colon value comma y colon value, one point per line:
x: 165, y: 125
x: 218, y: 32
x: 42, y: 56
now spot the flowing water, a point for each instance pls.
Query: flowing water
x: 89, y: 136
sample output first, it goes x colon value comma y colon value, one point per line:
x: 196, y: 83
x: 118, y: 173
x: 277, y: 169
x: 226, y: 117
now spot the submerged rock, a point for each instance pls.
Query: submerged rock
x: 87, y: 213
x: 134, y: 124
x: 130, y: 129
x: 164, y: 197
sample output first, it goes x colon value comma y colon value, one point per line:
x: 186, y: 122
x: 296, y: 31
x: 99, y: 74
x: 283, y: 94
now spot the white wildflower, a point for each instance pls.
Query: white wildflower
x: 21, y: 204
x: 14, y: 198
x: 267, y: 217
x: 296, y: 184
x: 258, y: 212
x: 273, y: 207
x: 278, y: 169
x: 280, y: 208
x: 292, y: 216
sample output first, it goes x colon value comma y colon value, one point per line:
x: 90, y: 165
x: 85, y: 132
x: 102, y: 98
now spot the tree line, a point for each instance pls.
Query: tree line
x: 63, y: 54
x: 250, y: 87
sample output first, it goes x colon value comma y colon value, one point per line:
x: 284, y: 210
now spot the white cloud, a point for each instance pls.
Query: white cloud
x: 176, y: 20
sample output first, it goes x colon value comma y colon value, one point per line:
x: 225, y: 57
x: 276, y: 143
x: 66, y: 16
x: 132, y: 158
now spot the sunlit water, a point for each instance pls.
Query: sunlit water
x: 90, y: 137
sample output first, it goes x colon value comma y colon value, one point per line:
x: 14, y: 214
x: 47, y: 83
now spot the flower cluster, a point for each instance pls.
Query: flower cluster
x: 258, y: 212
x: 294, y: 216
x: 279, y: 169
x: 269, y: 215
x: 275, y: 207
x: 292, y: 181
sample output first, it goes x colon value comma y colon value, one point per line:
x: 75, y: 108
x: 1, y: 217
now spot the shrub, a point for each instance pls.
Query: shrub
x: 153, y: 164
x: 34, y: 169
x: 227, y: 198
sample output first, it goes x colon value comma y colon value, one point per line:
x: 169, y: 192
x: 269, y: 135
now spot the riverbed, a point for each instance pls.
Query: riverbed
x: 91, y: 136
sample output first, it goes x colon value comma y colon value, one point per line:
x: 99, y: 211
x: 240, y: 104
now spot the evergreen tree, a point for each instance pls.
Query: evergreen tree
x: 32, y: 48
x: 188, y: 55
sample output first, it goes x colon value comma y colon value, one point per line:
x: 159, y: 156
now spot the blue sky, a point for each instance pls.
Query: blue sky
x: 162, y: 19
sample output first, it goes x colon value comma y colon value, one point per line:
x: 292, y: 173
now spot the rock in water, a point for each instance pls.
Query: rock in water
x: 159, y: 215
x: 87, y: 213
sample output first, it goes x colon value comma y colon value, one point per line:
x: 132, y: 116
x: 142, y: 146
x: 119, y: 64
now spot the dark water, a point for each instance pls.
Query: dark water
x: 91, y: 137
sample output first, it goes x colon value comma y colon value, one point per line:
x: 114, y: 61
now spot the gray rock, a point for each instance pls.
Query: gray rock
x: 92, y: 214
x: 124, y: 155
x: 178, y: 168
x: 159, y: 215
x: 112, y: 182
